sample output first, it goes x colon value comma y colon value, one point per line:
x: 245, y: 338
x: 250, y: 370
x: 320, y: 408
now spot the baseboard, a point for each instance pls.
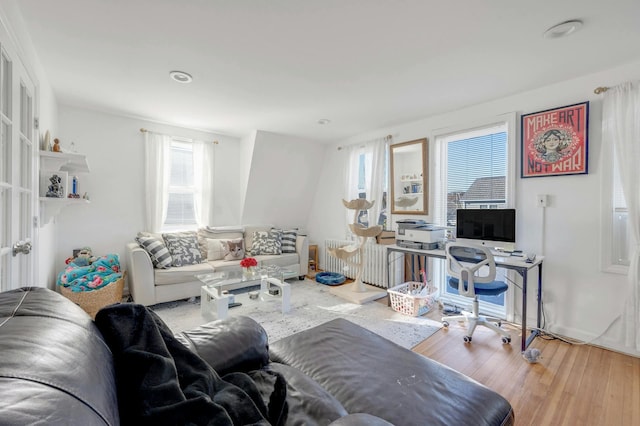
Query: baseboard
x: 592, y: 339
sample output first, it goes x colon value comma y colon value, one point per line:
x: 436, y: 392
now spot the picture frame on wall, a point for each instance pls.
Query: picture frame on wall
x: 555, y: 142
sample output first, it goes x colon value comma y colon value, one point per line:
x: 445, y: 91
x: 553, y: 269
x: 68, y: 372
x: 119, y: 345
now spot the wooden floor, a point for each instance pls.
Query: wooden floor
x: 570, y: 385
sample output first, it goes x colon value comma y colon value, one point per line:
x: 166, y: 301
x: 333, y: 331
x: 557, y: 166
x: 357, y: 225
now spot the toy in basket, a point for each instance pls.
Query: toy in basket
x: 413, y: 298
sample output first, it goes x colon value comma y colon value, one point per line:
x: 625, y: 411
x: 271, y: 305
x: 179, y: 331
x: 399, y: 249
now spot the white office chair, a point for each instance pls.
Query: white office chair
x: 476, y: 268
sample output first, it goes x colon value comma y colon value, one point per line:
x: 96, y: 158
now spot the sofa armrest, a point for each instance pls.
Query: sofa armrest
x: 228, y: 345
x: 342, y: 356
x: 302, y: 248
x: 141, y: 277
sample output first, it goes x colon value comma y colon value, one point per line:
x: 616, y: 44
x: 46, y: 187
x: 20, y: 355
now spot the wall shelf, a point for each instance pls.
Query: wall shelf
x: 64, y: 164
x: 50, y: 207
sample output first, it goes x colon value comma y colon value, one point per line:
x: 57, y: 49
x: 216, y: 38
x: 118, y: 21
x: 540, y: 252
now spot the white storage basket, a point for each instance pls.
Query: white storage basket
x: 412, y: 298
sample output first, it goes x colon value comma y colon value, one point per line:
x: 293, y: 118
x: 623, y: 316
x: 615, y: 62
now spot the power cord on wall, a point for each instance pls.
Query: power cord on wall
x: 545, y: 334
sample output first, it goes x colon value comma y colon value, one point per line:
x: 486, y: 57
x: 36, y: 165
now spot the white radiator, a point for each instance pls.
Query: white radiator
x: 375, y: 262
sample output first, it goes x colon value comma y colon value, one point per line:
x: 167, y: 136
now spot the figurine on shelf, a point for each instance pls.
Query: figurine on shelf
x: 56, y: 145
x: 46, y: 142
x: 55, y: 189
x: 74, y: 188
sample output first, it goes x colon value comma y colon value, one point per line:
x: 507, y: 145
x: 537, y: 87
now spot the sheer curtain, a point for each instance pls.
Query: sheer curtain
x: 203, y: 153
x: 157, y: 149
x: 372, y: 174
x: 621, y: 127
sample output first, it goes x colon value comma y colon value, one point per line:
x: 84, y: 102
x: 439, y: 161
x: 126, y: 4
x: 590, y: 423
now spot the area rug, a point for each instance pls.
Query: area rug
x: 311, y: 304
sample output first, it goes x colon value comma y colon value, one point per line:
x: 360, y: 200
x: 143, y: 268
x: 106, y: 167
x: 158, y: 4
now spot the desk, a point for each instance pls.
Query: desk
x: 508, y: 262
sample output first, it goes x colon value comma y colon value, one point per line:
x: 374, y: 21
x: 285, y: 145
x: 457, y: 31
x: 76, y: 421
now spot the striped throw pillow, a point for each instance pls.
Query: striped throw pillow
x: 159, y: 253
x: 289, y: 237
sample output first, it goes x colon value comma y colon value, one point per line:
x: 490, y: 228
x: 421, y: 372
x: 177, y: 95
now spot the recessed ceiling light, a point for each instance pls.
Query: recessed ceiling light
x: 324, y: 121
x: 181, y: 76
x: 563, y: 29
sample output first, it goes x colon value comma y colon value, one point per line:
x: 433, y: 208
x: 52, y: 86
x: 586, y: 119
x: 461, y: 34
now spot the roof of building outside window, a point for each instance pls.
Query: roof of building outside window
x: 486, y: 188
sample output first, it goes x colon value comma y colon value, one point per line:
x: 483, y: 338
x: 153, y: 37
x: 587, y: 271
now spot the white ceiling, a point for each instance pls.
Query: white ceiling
x: 282, y: 65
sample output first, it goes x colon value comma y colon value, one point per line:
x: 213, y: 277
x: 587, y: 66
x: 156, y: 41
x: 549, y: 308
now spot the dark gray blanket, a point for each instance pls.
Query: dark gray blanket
x: 161, y: 382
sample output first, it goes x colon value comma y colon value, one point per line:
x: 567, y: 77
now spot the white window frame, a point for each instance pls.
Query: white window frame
x: 186, y: 189
x: 510, y: 121
x: 608, y: 182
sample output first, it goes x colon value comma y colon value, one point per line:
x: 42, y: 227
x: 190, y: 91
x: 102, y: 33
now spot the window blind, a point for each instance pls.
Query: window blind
x: 181, y: 208
x: 475, y: 171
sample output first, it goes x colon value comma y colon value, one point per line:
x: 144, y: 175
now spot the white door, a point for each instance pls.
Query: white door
x: 17, y: 170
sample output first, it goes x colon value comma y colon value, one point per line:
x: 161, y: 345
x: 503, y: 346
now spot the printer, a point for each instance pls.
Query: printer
x: 418, y: 234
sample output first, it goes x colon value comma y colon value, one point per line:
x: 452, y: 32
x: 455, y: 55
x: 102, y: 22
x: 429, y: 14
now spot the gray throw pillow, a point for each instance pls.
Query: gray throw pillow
x: 158, y: 252
x: 266, y: 242
x: 288, y: 238
x: 183, y: 247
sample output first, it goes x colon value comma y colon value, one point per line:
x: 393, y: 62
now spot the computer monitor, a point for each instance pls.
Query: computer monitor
x: 494, y: 228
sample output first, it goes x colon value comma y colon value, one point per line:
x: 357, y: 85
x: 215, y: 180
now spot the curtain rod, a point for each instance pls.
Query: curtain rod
x: 386, y: 139
x: 600, y: 89
x: 143, y: 130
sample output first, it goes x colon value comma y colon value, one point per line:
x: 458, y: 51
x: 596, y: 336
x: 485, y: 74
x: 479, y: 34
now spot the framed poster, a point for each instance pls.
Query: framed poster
x: 555, y: 141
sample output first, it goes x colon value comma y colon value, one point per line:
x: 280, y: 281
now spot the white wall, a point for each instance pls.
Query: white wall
x: 580, y: 300
x: 282, y: 180
x: 115, y: 152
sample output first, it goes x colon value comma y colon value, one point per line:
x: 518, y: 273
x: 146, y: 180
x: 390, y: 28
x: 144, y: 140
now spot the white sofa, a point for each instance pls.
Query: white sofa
x: 149, y: 285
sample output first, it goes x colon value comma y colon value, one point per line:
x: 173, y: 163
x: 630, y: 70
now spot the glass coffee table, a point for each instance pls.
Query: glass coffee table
x: 215, y: 295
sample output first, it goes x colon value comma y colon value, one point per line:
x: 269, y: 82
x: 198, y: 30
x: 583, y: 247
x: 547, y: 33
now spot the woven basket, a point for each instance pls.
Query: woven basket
x: 93, y: 301
x: 407, y: 300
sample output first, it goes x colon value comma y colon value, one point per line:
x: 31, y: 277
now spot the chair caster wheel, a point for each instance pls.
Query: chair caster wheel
x: 467, y: 339
x: 445, y: 324
x: 506, y: 340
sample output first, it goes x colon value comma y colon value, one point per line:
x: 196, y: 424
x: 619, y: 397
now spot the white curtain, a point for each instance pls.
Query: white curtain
x: 374, y: 155
x: 203, y: 168
x: 621, y: 127
x: 157, y: 167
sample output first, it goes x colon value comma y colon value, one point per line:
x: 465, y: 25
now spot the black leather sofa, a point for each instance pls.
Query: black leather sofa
x: 55, y: 369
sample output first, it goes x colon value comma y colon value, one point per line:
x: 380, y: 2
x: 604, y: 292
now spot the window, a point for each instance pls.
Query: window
x: 619, y: 222
x: 181, y: 191
x: 367, y: 177
x: 474, y: 170
x: 614, y: 233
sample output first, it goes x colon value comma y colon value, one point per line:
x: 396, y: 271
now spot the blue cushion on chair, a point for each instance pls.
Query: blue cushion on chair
x: 493, y: 288
x: 330, y: 278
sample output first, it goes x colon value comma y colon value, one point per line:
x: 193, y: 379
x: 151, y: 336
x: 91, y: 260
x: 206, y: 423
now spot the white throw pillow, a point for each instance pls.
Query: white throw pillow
x: 215, y: 249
